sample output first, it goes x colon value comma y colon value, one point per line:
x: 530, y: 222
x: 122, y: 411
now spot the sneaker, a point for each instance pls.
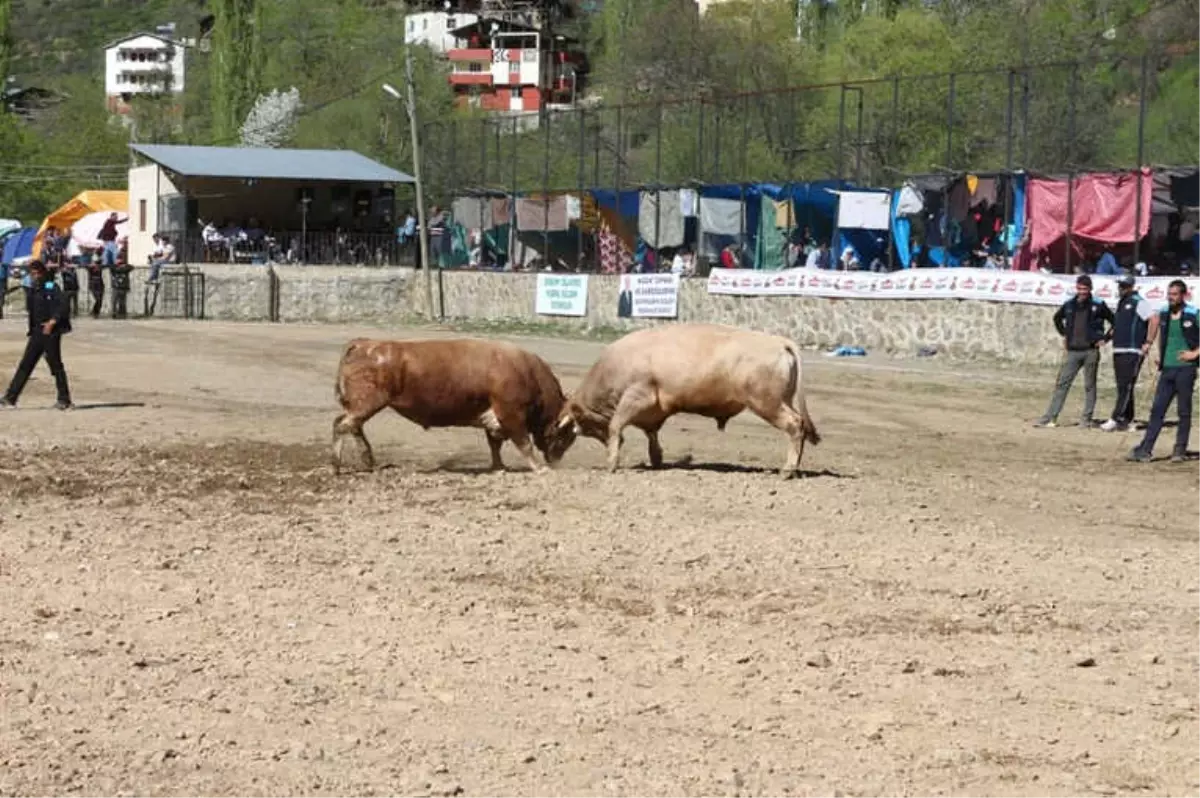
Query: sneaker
x: 1138, y: 456
x: 1045, y: 423
x: 1179, y: 457
x: 67, y: 405
x: 6, y: 403
x: 1112, y: 425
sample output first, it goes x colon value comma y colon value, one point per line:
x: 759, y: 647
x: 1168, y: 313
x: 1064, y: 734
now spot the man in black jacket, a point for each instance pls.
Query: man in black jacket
x: 1131, y: 321
x: 1081, y: 322
x: 49, y: 321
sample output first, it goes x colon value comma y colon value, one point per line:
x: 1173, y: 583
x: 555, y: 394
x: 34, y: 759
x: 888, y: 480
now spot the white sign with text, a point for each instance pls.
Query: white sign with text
x: 648, y: 296
x: 561, y: 295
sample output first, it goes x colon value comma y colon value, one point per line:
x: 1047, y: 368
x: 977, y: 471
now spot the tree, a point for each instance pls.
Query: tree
x: 272, y: 120
x: 236, y: 63
x: 5, y: 42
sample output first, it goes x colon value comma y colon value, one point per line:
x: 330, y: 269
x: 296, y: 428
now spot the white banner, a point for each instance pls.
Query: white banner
x: 867, y: 210
x: 648, y: 296
x: 561, y: 295
x: 992, y: 285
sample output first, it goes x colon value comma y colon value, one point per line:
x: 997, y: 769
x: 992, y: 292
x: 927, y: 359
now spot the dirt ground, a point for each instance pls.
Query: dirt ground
x: 950, y: 602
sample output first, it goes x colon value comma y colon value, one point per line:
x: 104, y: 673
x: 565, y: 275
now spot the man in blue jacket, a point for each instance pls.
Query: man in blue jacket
x: 1081, y: 322
x: 49, y: 321
x: 1132, y: 320
x: 1177, y: 330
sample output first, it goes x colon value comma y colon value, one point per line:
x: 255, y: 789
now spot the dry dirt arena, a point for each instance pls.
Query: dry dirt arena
x: 950, y: 602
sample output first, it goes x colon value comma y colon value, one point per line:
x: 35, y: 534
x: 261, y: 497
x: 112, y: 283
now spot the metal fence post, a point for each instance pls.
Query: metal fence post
x: 658, y: 123
x: 1141, y: 157
x: 858, y: 139
x: 1008, y: 121
x: 1070, y: 216
x: 950, y: 124
x: 483, y: 152
x: 1072, y: 84
x: 579, y: 180
x: 546, y: 114
x: 841, y: 129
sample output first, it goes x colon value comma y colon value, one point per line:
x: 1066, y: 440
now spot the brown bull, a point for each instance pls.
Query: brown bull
x: 704, y: 369
x: 508, y: 392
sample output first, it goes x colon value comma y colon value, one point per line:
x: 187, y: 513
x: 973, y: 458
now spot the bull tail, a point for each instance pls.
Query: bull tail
x: 798, y: 402
x: 339, y: 388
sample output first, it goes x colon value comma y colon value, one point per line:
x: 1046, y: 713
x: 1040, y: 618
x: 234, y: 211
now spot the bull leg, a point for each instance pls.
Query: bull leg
x: 512, y: 427
x: 352, y: 424
x: 344, y: 425
x: 792, y: 424
x: 525, y: 446
x: 655, y: 448
x: 494, y: 443
x: 788, y: 421
x: 630, y: 407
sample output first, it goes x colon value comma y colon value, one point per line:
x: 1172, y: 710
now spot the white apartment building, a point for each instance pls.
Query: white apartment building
x: 432, y: 28
x: 144, y: 63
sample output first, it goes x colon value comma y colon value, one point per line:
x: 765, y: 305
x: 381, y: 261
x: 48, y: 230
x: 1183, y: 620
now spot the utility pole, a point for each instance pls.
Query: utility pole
x: 422, y: 229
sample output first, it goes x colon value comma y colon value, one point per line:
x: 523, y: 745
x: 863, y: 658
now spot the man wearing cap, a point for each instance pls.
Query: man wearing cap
x: 1081, y: 322
x: 1177, y: 330
x: 49, y: 321
x: 1130, y: 323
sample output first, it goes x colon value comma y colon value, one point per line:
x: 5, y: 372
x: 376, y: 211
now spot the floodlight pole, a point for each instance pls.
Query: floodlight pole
x: 423, y: 230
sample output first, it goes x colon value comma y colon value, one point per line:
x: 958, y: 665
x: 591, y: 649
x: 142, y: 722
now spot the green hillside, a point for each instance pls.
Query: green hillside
x: 337, y: 52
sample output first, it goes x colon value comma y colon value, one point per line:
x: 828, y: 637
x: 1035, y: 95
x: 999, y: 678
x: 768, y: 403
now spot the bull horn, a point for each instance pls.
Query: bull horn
x: 565, y: 421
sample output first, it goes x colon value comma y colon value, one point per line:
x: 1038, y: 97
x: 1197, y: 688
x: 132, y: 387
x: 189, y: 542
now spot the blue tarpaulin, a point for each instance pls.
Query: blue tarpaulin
x: 1016, y: 227
x: 18, y: 245
x: 813, y: 206
x: 901, y: 233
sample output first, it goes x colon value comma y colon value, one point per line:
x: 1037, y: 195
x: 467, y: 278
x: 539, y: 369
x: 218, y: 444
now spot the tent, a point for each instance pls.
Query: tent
x: 18, y: 247
x: 8, y: 226
x: 77, y: 207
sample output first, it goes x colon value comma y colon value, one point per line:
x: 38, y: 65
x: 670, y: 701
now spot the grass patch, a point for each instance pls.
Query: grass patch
x: 526, y: 327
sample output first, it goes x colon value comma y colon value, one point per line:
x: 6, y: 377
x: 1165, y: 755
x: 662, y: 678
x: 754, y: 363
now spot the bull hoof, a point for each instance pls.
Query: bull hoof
x: 788, y: 474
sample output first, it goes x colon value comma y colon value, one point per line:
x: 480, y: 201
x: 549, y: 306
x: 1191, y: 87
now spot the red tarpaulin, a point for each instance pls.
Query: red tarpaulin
x: 1104, y: 208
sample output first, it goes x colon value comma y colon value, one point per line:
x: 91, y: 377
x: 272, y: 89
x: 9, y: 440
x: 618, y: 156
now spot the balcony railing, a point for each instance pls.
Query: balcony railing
x: 295, y: 247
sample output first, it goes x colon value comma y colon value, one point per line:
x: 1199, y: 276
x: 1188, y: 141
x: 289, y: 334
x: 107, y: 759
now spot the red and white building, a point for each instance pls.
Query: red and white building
x: 506, y: 67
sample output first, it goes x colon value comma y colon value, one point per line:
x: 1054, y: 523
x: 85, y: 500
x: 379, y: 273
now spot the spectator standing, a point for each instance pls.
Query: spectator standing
x: 70, y: 285
x: 120, y: 288
x: 95, y: 283
x: 3, y: 287
x: 1081, y: 322
x: 1177, y: 330
x: 1130, y: 324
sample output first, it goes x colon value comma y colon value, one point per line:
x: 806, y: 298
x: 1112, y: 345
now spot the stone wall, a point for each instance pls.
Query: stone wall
x: 331, y: 294
x: 958, y: 328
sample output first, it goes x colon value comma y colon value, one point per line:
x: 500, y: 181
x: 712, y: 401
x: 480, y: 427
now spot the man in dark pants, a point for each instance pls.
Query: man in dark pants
x: 1177, y: 330
x: 95, y: 284
x: 1080, y: 321
x: 120, y: 287
x: 48, y: 323
x: 1132, y: 320
x: 70, y: 285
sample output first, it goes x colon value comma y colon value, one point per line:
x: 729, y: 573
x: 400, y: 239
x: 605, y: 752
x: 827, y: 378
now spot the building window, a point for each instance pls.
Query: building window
x: 141, y: 216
